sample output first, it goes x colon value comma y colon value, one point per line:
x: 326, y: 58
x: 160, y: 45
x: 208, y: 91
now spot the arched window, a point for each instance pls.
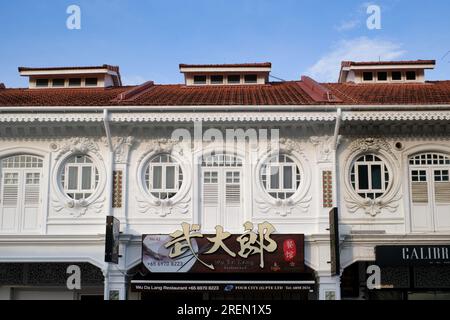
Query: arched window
x: 429, y: 175
x: 21, y: 177
x: 280, y: 177
x: 79, y: 177
x: 163, y: 176
x: 369, y: 176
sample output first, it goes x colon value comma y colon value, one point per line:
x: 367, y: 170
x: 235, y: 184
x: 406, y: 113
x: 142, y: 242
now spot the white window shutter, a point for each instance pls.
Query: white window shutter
x: 442, y: 192
x: 211, y: 193
x: 419, y: 192
x: 233, y: 194
x: 10, y: 194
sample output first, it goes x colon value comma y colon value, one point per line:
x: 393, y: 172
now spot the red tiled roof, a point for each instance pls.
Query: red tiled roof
x: 377, y: 63
x: 234, y: 65
x: 60, y: 97
x: 105, y: 66
x: 276, y: 93
x: 371, y: 94
x: 287, y: 93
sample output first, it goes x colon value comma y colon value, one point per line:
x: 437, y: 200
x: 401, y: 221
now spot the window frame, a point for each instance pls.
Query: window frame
x: 194, y: 81
x: 354, y: 176
x: 47, y: 83
x: 367, y: 73
x: 148, y: 177
x: 93, y: 84
x: 410, y: 72
x: 270, y: 166
x: 79, y: 193
x: 70, y: 82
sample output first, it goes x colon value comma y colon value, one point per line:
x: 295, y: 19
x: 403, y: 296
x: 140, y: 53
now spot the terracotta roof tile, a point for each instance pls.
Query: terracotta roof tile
x: 60, y: 97
x: 369, y: 94
x: 275, y: 93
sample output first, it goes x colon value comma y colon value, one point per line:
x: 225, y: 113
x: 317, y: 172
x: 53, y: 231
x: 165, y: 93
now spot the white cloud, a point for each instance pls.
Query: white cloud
x: 347, y: 25
x: 359, y: 49
x: 133, y: 80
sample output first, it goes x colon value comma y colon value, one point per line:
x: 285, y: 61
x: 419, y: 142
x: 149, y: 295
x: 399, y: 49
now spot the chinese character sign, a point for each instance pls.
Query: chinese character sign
x: 258, y: 249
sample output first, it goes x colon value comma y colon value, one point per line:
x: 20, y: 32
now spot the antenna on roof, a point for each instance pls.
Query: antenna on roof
x: 271, y: 76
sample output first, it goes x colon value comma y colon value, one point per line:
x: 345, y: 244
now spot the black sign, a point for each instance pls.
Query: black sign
x: 334, y: 243
x: 412, y: 255
x: 112, y: 240
x: 228, y: 287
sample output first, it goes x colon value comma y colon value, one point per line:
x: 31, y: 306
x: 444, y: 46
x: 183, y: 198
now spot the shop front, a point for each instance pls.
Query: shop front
x: 255, y: 265
x: 412, y: 272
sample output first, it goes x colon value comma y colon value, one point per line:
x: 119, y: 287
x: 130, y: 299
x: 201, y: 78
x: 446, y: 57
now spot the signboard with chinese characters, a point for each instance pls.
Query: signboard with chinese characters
x: 438, y: 255
x: 257, y: 250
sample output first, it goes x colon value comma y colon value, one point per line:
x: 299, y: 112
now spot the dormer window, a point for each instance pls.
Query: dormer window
x: 91, y: 82
x: 396, y: 76
x: 58, y: 83
x: 75, y: 82
x: 41, y: 83
x: 382, y: 76
x: 367, y: 76
x: 251, y: 78
x: 72, y: 77
x: 199, y: 79
x: 216, y: 79
x: 226, y: 74
x: 410, y: 75
x: 234, y: 79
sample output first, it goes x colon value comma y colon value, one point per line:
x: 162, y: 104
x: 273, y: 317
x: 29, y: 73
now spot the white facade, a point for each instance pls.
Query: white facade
x: 39, y: 222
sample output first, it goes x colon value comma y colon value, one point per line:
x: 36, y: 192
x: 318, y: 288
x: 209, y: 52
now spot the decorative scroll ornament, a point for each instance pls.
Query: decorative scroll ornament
x: 163, y: 208
x: 78, y: 208
x: 371, y: 144
x: 289, y: 145
x: 122, y: 147
x: 372, y: 207
x: 76, y: 145
x: 283, y: 208
x: 324, y: 147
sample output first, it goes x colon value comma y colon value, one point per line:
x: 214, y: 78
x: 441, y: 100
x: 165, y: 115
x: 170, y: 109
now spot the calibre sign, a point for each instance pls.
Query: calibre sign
x: 412, y: 255
x: 188, y: 250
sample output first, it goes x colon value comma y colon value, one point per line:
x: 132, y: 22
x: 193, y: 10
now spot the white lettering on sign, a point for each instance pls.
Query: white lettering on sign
x: 421, y: 253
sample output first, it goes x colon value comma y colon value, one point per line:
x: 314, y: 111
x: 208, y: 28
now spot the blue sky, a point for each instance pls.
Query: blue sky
x: 148, y: 39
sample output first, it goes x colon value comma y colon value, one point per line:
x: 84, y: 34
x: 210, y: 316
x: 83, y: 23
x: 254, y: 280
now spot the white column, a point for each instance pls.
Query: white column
x: 329, y: 287
x: 116, y: 285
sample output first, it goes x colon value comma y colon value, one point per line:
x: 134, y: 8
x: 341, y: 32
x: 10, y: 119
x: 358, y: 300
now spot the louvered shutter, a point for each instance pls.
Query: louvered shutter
x: 233, y: 188
x: 210, y: 188
x: 419, y: 192
x: 31, y: 200
x: 10, y: 201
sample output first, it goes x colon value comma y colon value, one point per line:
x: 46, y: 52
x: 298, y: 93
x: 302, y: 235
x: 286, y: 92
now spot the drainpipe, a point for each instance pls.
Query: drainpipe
x: 337, y: 128
x: 109, y: 190
x: 336, y: 181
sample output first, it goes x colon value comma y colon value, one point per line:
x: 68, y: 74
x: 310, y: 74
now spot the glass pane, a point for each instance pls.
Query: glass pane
x: 86, y: 178
x: 376, y: 177
x: 274, y: 178
x: 157, y: 177
x: 287, y: 177
x: 363, y: 177
x: 170, y: 177
x: 73, y: 178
